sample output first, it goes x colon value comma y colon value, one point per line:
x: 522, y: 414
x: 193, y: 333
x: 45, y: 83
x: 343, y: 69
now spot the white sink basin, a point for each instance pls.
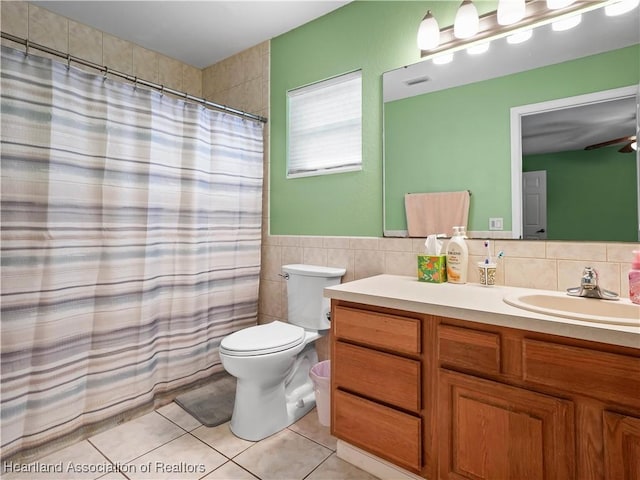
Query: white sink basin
x: 617, y: 312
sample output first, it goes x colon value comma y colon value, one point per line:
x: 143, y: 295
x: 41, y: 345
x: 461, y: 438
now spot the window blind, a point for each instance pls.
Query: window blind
x: 325, y: 127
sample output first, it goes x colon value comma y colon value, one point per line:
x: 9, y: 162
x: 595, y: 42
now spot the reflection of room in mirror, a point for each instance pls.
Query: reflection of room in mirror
x: 579, y: 127
x: 580, y: 176
x: 464, y: 127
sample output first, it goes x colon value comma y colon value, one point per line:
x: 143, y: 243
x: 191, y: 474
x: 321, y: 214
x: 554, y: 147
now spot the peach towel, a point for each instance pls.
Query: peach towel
x: 429, y: 213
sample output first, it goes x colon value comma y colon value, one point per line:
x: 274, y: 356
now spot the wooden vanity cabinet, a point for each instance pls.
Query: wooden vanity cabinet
x: 453, y: 399
x: 564, y: 408
x: 378, y: 383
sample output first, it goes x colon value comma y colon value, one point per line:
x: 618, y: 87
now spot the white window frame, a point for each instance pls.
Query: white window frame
x: 333, y: 144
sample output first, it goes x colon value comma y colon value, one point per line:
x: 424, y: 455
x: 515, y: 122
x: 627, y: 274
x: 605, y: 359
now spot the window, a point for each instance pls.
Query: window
x: 325, y: 127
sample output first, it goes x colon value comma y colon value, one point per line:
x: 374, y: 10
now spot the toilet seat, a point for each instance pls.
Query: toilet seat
x: 262, y: 339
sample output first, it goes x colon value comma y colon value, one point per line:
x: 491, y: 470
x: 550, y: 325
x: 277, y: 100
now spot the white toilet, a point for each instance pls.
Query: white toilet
x: 271, y: 362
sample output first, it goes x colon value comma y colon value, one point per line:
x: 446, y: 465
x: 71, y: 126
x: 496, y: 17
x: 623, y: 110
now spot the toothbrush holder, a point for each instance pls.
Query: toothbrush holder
x: 487, y: 273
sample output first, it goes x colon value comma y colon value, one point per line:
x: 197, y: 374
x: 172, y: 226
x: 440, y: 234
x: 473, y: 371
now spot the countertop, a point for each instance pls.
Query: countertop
x: 477, y: 303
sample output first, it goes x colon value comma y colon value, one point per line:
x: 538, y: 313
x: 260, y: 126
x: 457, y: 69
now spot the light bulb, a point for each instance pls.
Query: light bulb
x: 556, y: 4
x: 566, y: 24
x: 510, y: 11
x: 618, y: 8
x: 520, y: 37
x: 467, y: 22
x: 428, y: 32
x: 442, y: 59
x: 478, y: 49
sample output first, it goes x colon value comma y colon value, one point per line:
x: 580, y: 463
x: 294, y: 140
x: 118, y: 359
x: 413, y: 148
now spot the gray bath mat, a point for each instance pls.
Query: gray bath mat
x: 211, y: 404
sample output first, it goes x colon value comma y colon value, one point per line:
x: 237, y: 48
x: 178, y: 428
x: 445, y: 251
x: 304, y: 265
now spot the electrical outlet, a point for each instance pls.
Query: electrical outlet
x: 495, y: 224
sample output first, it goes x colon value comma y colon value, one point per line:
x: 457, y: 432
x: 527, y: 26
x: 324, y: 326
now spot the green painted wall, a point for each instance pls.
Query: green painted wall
x: 459, y: 138
x: 591, y: 195
x: 369, y: 35
x: 375, y: 36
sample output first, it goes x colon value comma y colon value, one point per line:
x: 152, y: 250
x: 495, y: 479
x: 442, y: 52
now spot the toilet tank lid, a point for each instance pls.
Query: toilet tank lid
x: 314, y: 270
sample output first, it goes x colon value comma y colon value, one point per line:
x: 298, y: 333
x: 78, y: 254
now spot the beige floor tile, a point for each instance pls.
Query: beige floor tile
x: 310, y: 427
x: 230, y: 471
x: 184, y: 458
x: 337, y: 469
x: 285, y: 455
x: 177, y: 415
x: 136, y: 437
x: 78, y: 461
x: 222, y: 439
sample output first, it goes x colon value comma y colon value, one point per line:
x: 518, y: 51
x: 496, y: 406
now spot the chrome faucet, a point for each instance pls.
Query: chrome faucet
x: 589, y: 287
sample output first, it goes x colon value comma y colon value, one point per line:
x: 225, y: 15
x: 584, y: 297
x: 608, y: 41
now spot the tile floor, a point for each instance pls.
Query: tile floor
x: 171, y: 444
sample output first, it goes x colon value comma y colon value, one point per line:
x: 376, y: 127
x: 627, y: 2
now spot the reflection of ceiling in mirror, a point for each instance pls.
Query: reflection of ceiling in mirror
x: 597, y: 33
x: 575, y: 128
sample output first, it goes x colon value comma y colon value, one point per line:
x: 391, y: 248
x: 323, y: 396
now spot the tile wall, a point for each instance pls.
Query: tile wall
x: 41, y: 26
x: 533, y: 264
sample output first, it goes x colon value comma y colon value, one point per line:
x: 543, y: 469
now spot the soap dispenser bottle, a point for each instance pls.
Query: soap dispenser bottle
x: 458, y: 257
x: 634, y: 278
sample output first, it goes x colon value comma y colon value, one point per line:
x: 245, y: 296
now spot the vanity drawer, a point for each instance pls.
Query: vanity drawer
x: 606, y: 376
x: 381, y: 376
x: 381, y: 430
x: 400, y: 334
x: 469, y: 349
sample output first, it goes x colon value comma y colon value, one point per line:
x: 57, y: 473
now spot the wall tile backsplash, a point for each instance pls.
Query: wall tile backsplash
x: 533, y: 264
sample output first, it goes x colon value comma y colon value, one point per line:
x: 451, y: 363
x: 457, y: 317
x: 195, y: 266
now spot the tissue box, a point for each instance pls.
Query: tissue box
x: 432, y: 268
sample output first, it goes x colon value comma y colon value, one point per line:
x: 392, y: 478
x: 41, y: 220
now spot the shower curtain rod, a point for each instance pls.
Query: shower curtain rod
x: 138, y: 81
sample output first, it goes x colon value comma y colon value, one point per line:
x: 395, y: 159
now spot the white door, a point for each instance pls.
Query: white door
x: 534, y: 204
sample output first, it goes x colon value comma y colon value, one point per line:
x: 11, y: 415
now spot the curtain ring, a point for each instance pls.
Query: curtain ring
x: 135, y: 83
x: 27, y: 49
x: 68, y: 61
x: 161, y: 90
x: 106, y: 72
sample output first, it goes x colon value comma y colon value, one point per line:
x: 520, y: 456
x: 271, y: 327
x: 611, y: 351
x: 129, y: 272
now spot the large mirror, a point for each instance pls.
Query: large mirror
x: 449, y: 127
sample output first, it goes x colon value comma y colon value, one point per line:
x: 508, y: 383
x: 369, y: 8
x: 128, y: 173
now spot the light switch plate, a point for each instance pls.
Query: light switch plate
x: 495, y: 223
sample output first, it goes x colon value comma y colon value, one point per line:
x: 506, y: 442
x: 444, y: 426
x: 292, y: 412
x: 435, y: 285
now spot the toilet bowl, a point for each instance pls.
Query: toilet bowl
x: 271, y: 362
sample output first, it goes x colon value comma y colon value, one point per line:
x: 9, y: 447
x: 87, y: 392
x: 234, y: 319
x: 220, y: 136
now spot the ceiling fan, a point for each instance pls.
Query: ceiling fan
x: 631, y: 144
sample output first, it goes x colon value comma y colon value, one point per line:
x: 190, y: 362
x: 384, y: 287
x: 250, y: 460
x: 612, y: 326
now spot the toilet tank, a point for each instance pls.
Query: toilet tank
x: 307, y: 306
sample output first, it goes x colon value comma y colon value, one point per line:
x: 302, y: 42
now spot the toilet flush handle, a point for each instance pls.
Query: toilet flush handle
x: 284, y: 275
x: 328, y: 316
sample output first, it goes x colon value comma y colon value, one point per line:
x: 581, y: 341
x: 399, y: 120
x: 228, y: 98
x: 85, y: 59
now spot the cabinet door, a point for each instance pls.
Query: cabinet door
x: 497, y: 432
x: 621, y: 447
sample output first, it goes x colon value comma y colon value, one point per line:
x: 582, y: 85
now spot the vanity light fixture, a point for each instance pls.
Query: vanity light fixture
x: 537, y: 13
x: 510, y: 11
x: 566, y: 24
x: 467, y: 21
x: 620, y: 7
x: 520, y: 37
x: 479, y: 48
x: 428, y: 32
x: 443, y: 59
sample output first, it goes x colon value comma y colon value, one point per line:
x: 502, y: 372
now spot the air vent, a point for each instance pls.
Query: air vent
x: 415, y: 81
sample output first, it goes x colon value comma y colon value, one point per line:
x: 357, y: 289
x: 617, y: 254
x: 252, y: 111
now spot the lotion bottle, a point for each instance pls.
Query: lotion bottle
x: 458, y: 257
x: 634, y: 278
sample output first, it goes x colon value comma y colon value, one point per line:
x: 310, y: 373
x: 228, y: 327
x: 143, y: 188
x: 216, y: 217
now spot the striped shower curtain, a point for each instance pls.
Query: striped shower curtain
x: 130, y: 245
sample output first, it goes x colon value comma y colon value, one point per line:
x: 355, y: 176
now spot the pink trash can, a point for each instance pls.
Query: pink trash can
x: 320, y: 373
